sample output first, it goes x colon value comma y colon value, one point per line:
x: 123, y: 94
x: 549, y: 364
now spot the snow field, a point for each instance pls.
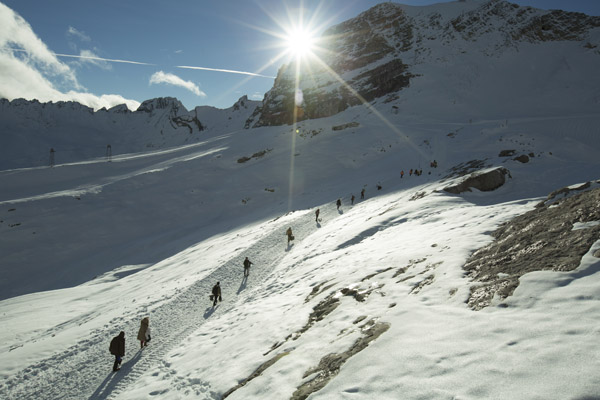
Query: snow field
x: 193, y: 231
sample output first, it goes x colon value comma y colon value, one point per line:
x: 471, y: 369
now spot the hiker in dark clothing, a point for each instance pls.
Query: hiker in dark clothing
x: 289, y: 234
x: 401, y: 174
x: 144, y: 332
x: 338, y: 203
x: 317, y: 215
x: 247, y: 264
x: 216, y: 293
x: 117, y: 348
x: 352, y: 200
x: 378, y: 186
x: 362, y: 194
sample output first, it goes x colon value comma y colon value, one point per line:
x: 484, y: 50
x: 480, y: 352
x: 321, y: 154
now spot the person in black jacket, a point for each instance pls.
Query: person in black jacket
x: 247, y: 264
x: 216, y: 292
x: 117, y: 348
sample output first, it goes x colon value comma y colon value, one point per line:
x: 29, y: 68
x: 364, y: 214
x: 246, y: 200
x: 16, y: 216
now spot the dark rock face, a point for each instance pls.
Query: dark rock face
x: 542, y: 239
x: 523, y: 158
x: 365, y: 40
x: 507, y: 153
x: 558, y: 25
x: 161, y: 103
x: 279, y: 106
x: 369, y: 37
x: 486, y: 181
x: 524, y: 23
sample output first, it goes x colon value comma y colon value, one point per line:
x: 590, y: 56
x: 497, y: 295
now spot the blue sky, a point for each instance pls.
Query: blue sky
x: 157, y: 37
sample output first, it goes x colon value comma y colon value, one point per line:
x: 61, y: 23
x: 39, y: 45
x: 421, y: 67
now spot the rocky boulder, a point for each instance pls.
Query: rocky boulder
x: 484, y: 181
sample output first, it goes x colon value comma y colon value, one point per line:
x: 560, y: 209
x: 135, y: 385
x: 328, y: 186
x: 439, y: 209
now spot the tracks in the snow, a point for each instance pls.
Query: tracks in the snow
x: 83, y: 371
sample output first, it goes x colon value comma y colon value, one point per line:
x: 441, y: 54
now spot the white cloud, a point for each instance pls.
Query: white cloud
x: 16, y: 32
x: 78, y: 34
x: 31, y: 71
x: 170, y: 79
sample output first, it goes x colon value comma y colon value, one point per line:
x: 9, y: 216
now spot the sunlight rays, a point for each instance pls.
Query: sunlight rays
x: 302, y: 47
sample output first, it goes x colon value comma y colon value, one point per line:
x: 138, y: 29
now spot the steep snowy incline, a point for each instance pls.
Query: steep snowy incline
x: 87, y: 363
x: 395, y: 259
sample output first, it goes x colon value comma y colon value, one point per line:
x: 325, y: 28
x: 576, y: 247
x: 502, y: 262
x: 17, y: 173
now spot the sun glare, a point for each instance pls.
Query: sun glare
x: 299, y: 43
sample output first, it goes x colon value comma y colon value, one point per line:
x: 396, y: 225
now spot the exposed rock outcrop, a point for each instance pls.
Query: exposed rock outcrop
x: 546, y: 238
x: 485, y: 181
x: 330, y: 365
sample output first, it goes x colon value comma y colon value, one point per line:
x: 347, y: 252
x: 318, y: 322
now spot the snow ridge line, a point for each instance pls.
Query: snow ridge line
x: 79, y: 372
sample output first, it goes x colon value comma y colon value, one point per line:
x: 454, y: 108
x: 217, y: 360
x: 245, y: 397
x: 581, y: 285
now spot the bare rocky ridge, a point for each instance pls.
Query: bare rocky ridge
x: 376, y: 53
x: 545, y: 238
x: 523, y: 23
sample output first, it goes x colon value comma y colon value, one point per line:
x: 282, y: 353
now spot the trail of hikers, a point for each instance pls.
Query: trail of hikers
x: 85, y: 369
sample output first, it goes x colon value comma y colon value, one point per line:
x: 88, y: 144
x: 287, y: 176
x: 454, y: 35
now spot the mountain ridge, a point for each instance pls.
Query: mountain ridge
x: 380, y: 52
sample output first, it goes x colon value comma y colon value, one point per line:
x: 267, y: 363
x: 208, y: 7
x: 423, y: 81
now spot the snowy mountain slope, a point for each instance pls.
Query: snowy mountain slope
x: 163, y: 228
x: 30, y: 129
x: 369, y: 302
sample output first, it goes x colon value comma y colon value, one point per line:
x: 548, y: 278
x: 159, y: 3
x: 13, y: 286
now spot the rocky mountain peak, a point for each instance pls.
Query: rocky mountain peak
x: 241, y: 103
x: 380, y: 52
x: 162, y: 103
x: 518, y: 23
x: 120, y: 109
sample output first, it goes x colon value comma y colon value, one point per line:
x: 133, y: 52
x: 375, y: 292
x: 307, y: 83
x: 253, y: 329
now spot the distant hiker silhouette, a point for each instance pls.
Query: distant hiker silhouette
x: 362, y: 194
x: 144, y: 332
x: 378, y: 186
x: 289, y: 234
x: 410, y: 172
x: 352, y: 200
x: 338, y: 203
x: 216, y: 294
x: 401, y: 174
x: 317, y: 215
x: 117, y: 349
x: 247, y: 264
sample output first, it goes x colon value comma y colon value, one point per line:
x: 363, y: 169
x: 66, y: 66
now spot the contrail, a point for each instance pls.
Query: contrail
x: 88, y: 57
x: 226, y: 70
x: 230, y: 71
x: 102, y: 59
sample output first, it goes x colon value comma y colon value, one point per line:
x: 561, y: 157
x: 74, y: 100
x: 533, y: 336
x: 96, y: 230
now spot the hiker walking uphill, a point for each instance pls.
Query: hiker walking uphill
x: 216, y: 293
x: 247, y: 264
x: 362, y: 194
x: 317, y: 212
x: 117, y: 349
x: 289, y: 234
x: 338, y: 203
x: 352, y: 200
x: 144, y: 333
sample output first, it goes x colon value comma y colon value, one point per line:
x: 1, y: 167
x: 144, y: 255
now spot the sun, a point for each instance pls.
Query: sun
x: 299, y: 43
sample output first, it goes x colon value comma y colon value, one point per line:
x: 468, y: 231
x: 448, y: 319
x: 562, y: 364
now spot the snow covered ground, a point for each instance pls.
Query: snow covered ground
x: 90, y: 248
